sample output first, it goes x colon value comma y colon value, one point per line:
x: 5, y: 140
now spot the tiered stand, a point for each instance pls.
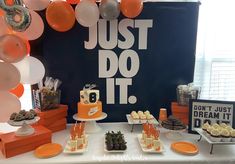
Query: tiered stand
x: 25, y: 128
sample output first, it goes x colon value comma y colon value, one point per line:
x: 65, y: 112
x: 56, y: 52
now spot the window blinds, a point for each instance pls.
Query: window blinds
x: 215, y: 56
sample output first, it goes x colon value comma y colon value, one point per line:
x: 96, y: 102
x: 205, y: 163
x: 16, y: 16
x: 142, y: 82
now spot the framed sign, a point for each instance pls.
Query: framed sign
x: 211, y: 111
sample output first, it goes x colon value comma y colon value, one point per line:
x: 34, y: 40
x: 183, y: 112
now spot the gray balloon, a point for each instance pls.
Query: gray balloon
x: 109, y: 9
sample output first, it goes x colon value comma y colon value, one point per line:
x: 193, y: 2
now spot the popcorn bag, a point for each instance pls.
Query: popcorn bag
x: 48, y: 96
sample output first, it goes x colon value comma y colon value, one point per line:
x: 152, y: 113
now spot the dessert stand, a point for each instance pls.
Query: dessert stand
x: 25, y: 128
x: 91, y: 125
x: 212, y: 143
x: 139, y: 122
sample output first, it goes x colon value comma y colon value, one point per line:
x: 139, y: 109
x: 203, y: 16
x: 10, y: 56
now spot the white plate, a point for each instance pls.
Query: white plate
x: 139, y: 122
x: 78, y: 151
x: 20, y: 123
x: 144, y: 149
x: 113, y: 151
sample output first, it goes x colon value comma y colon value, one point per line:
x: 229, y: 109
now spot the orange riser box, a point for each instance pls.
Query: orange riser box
x: 51, y: 116
x: 58, y: 128
x: 12, y: 145
x: 58, y: 125
x: 181, y: 112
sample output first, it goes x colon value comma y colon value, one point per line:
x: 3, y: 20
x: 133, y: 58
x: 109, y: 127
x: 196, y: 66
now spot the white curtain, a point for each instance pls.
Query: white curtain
x: 215, y: 56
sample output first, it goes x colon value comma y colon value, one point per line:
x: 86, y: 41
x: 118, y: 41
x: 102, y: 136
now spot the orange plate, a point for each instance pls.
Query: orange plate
x: 184, y: 148
x: 48, y: 150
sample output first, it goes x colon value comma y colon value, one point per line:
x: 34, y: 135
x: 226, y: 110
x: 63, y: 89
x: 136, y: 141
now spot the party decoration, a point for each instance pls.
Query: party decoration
x: 17, y: 16
x: 9, y: 76
x: 12, y: 48
x: 31, y: 70
x: 4, y: 29
x: 131, y: 8
x: 36, y: 5
x: 35, y: 29
x: 73, y: 1
x: 18, y: 91
x: 9, y: 104
x: 109, y: 9
x: 87, y: 13
x: 60, y: 16
x: 10, y: 2
x: 1, y: 12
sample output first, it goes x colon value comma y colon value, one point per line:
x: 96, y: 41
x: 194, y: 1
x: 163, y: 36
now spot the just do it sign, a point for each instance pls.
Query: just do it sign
x: 110, y: 63
x: 136, y: 63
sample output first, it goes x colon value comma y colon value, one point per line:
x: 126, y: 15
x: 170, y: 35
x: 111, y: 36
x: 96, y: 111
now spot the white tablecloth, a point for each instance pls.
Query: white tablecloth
x: 134, y: 154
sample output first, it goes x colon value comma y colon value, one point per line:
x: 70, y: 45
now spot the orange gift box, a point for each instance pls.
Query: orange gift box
x: 12, y: 145
x: 58, y: 125
x: 180, y: 112
x: 51, y: 116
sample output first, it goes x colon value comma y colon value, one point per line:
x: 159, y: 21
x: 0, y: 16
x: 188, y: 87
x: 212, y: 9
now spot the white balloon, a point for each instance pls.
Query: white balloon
x: 36, y: 5
x: 87, y: 13
x: 9, y: 104
x: 31, y: 70
x: 35, y: 29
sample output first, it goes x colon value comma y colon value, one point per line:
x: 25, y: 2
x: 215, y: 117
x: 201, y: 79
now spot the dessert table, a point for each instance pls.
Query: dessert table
x: 134, y: 154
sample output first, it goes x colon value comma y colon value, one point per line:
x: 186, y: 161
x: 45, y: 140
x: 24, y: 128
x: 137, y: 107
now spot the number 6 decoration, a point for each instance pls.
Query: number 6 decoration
x: 17, y: 16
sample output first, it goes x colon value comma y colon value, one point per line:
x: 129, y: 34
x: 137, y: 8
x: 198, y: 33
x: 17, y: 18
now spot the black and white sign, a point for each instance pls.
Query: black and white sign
x: 202, y: 111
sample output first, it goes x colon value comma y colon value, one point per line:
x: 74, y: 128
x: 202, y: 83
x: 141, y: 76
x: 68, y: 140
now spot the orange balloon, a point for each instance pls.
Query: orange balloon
x: 73, y: 1
x: 13, y: 48
x: 18, y: 91
x: 9, y: 2
x: 131, y: 8
x: 60, y: 16
x: 1, y: 12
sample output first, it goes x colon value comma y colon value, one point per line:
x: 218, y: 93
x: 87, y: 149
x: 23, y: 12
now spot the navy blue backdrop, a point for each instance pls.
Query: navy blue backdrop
x: 167, y: 62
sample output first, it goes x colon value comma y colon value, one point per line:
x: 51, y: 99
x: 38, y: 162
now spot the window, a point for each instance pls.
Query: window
x: 26, y: 99
x: 215, y: 56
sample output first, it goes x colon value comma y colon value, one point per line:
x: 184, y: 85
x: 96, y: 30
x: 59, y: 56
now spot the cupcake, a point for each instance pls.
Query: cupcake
x: 143, y: 118
x: 215, y: 135
x: 225, y: 134
x: 135, y: 117
x: 22, y: 112
x: 229, y: 128
x: 209, y: 129
x: 13, y: 115
x: 150, y: 118
x: 205, y: 126
x: 232, y: 135
x: 215, y: 125
x: 223, y: 125
x: 33, y: 112
x: 147, y: 112
x: 134, y: 114
x: 140, y: 113
x: 19, y: 117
